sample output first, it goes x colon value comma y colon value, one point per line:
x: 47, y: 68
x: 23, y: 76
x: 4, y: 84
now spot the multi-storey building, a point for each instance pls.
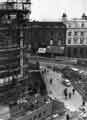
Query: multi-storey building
x: 12, y: 20
x: 76, y: 38
x: 43, y: 34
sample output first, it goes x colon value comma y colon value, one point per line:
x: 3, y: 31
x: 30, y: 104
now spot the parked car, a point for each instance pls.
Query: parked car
x: 66, y: 82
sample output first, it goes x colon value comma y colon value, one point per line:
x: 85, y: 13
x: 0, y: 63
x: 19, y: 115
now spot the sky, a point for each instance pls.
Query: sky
x: 53, y: 9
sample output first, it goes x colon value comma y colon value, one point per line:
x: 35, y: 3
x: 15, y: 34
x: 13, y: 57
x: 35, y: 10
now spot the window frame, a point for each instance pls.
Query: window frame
x: 75, y: 33
x: 81, y: 39
x: 82, y: 25
x: 69, y: 41
x: 75, y: 40
x: 70, y: 33
x: 82, y: 33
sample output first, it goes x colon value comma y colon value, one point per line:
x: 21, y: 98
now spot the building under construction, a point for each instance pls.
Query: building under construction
x: 15, y: 102
x: 13, y: 18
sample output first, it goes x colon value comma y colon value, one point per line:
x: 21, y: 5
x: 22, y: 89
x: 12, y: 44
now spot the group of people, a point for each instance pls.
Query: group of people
x: 68, y: 94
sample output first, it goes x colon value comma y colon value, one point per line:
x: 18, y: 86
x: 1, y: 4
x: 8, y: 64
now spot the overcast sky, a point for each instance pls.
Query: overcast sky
x: 53, y: 9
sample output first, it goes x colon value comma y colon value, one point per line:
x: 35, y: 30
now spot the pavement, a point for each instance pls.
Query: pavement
x: 55, y: 91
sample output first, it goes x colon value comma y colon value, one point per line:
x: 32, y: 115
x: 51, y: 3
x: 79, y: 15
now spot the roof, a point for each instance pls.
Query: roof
x: 48, y: 23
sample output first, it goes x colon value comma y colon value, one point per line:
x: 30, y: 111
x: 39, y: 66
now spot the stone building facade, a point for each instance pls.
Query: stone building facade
x: 76, y: 38
x: 43, y: 34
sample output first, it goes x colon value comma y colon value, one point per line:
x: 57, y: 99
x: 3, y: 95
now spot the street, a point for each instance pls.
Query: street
x: 56, y: 89
x: 52, y: 62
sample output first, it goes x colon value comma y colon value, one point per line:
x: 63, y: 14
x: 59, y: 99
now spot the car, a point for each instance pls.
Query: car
x: 66, y: 82
x: 75, y: 69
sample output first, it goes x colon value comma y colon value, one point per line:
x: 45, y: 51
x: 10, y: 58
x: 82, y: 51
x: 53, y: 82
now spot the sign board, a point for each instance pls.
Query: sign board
x: 42, y: 50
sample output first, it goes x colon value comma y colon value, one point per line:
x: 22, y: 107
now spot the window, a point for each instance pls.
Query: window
x: 86, y: 40
x: 59, y: 42
x: 6, y: 80
x: 75, y: 33
x: 69, y: 33
x: 1, y: 82
x: 69, y: 41
x: 75, y: 40
x: 82, y: 25
x: 81, y: 41
x: 60, y: 33
x: 51, y: 33
x: 82, y: 33
x: 70, y: 25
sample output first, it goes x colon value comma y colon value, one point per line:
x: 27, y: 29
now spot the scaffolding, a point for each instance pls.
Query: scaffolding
x: 13, y: 16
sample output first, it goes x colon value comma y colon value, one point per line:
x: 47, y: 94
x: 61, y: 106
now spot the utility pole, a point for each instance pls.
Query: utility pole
x: 21, y: 50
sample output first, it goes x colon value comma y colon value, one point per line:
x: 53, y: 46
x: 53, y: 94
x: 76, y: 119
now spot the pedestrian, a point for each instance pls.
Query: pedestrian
x: 51, y: 81
x: 83, y: 103
x: 67, y: 117
x: 69, y: 95
x: 65, y: 93
x: 73, y: 91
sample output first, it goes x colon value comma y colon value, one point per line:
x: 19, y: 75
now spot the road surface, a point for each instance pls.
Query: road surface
x: 55, y: 91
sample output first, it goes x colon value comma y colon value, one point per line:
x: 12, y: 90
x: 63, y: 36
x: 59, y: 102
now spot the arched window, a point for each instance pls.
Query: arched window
x: 75, y: 40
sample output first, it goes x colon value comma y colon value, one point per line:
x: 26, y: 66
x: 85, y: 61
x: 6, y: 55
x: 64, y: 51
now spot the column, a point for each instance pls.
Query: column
x: 78, y: 53
x: 72, y: 52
